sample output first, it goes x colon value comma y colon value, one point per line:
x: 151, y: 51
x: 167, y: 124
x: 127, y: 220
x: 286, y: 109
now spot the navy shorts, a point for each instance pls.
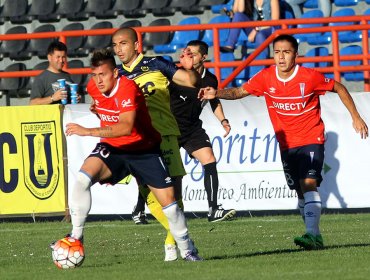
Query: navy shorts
x: 147, y: 167
x: 301, y: 163
x: 195, y: 141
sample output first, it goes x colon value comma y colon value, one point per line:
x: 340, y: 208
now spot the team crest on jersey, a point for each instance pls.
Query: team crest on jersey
x: 144, y: 68
x: 41, y: 166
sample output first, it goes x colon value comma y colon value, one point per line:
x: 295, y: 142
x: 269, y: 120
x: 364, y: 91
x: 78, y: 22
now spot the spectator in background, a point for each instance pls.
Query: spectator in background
x: 252, y: 10
x: 42, y: 92
x: 324, y: 6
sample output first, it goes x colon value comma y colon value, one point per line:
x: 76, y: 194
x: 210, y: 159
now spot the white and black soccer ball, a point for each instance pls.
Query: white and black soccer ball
x: 68, y: 253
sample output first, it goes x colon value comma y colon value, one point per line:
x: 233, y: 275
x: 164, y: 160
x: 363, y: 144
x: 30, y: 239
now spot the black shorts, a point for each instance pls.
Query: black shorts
x: 196, y: 140
x: 147, y: 167
x: 301, y: 163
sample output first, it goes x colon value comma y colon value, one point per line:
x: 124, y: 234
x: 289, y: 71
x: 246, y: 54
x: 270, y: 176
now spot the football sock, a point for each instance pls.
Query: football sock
x: 301, y: 207
x: 312, y: 212
x: 140, y: 205
x: 211, y: 184
x: 178, y: 227
x: 80, y: 203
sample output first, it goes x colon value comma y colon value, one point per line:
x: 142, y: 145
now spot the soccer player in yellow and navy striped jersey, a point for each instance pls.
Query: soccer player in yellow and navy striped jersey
x: 153, y: 75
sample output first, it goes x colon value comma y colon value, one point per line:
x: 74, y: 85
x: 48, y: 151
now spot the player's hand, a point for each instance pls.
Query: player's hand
x: 207, y: 93
x: 360, y: 126
x: 76, y: 129
x: 227, y: 127
x: 186, y: 59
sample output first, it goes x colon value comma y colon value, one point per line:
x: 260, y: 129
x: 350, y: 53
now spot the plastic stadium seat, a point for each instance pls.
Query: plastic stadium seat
x: 346, y: 36
x: 157, y: 38
x: 16, y: 11
x: 69, y: 8
x: 39, y: 46
x: 318, y: 51
x: 12, y: 85
x: 150, y: 4
x: 345, y: 3
x: 351, y: 50
x: 92, y: 8
x: 131, y: 23
x: 307, y: 15
x: 248, y: 72
x: 14, y: 49
x: 74, y: 44
x: 225, y: 71
x: 120, y: 7
x: 223, y: 33
x: 132, y: 9
x: 217, y: 9
x: 96, y: 42
x: 180, y: 38
x: 210, y: 3
x: 77, y: 78
x: 181, y: 4
x: 311, y: 4
x: 43, y: 10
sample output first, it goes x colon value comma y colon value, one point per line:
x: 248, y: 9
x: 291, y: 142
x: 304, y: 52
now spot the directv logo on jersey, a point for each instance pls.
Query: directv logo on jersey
x: 126, y: 103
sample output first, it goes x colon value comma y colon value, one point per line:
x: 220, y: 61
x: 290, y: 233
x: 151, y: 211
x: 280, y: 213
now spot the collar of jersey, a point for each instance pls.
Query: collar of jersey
x: 291, y: 76
x: 114, y: 90
x: 134, y: 63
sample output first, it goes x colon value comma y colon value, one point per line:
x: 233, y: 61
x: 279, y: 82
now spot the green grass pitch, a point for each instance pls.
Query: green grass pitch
x: 245, y: 248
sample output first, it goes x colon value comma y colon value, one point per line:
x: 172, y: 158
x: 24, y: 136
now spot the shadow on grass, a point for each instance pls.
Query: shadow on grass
x: 284, y: 251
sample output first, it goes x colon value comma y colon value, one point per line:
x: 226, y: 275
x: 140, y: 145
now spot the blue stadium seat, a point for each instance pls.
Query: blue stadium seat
x: 346, y: 36
x: 318, y: 51
x: 225, y: 71
x: 345, y: 3
x: 218, y: 9
x: 180, y: 38
x: 351, y: 50
x: 367, y: 13
x: 307, y: 15
x: 311, y: 4
x: 223, y: 33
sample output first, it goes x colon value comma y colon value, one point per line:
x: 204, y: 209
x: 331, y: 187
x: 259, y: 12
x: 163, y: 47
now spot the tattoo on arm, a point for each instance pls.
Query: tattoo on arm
x: 102, y: 132
x: 231, y: 93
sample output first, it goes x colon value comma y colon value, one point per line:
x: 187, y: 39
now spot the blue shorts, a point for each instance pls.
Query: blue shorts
x: 301, y: 163
x: 147, y: 167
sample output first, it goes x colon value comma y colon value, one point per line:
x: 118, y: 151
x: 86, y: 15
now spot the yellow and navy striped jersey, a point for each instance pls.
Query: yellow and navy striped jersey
x: 153, y: 75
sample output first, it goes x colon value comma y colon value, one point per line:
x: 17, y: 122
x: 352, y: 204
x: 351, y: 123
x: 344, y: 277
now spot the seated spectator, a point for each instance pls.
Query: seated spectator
x: 42, y: 91
x: 324, y: 6
x: 248, y: 10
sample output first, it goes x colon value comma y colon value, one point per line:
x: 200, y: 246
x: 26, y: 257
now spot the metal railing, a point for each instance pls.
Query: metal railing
x: 284, y: 26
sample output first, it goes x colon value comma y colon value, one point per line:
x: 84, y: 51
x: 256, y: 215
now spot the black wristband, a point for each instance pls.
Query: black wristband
x: 225, y: 120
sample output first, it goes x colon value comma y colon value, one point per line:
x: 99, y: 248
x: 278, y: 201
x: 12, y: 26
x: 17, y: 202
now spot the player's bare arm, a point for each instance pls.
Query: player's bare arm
x: 122, y: 128
x: 358, y: 123
x: 227, y: 93
x: 219, y: 113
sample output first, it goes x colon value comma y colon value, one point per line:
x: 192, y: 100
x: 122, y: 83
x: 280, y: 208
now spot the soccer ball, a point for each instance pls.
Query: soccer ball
x: 68, y: 253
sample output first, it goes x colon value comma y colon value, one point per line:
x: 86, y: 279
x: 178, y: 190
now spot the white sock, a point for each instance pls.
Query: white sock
x: 301, y: 207
x: 178, y: 227
x: 312, y: 212
x: 80, y: 203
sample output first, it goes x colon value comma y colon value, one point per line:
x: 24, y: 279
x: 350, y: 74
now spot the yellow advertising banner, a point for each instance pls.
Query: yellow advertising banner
x: 32, y: 175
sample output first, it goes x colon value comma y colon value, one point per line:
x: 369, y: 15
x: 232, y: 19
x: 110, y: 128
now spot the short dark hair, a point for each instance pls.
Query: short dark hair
x: 127, y: 30
x: 102, y: 56
x: 288, y: 38
x: 203, y: 46
x: 56, y: 46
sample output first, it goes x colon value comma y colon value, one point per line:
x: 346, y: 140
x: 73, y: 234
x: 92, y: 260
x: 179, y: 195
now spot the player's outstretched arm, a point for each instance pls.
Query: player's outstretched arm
x: 187, y: 76
x: 122, y: 128
x: 227, y: 93
x: 358, y: 123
